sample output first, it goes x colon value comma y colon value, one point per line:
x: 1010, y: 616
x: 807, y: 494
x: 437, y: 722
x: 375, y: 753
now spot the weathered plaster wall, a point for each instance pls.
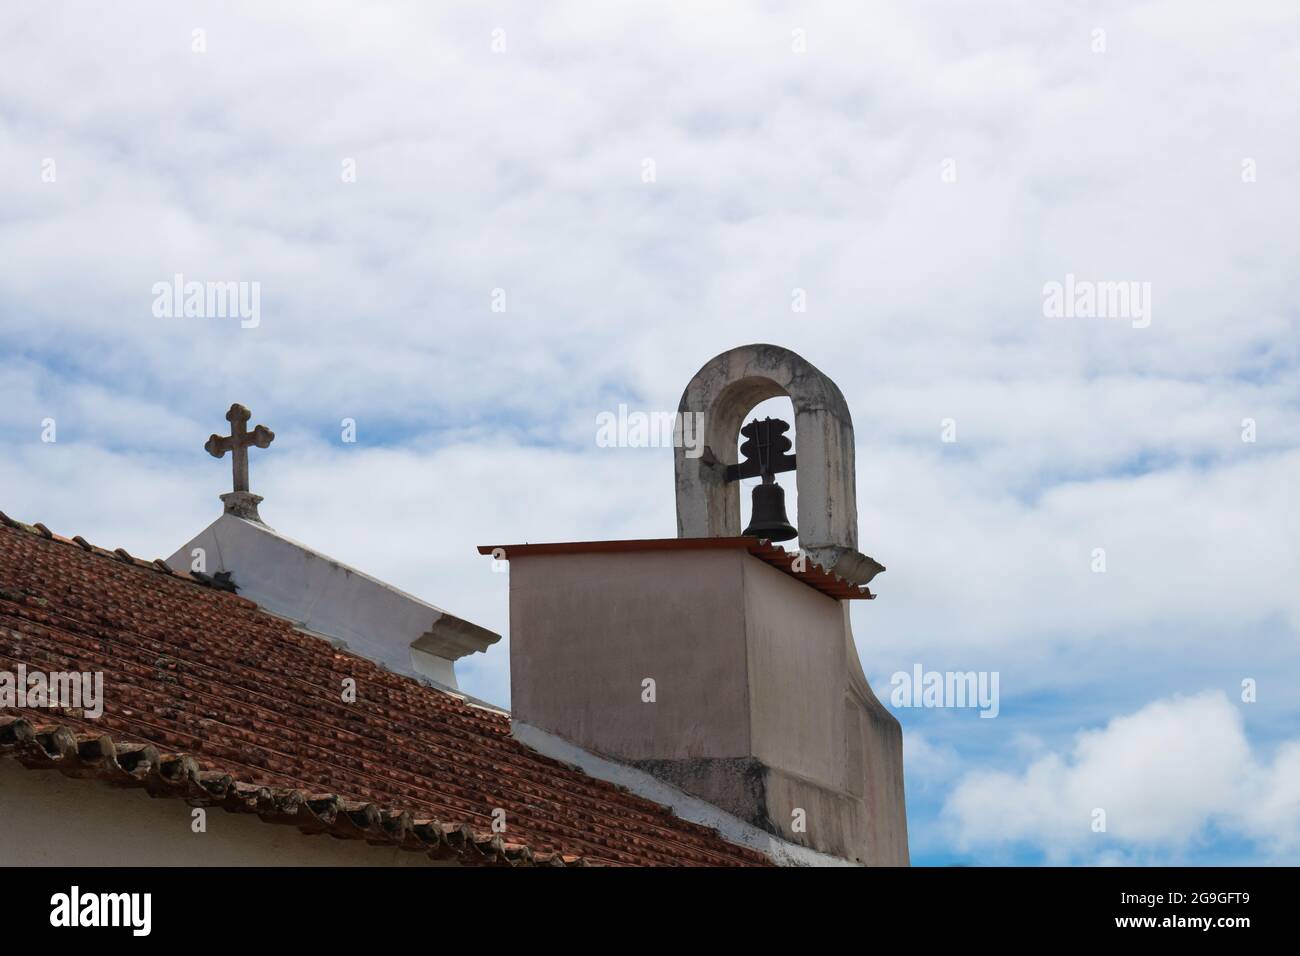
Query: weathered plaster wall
x: 47, y: 819
x: 683, y: 804
x: 796, y: 664
x: 587, y: 629
x: 760, y: 704
x: 830, y: 744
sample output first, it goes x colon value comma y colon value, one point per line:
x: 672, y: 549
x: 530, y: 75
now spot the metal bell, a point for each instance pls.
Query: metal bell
x: 767, y: 518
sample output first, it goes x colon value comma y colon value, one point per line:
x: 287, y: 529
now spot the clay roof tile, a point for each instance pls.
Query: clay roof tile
x: 209, y: 699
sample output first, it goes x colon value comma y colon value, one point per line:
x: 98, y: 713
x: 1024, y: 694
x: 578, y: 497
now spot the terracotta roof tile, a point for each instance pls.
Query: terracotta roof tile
x: 208, y: 698
x: 793, y: 563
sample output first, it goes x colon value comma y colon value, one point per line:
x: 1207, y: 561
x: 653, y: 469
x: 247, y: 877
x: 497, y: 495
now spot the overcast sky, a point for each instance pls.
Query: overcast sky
x: 648, y: 185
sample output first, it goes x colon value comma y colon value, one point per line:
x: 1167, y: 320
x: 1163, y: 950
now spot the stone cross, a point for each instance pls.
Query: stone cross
x: 240, y: 502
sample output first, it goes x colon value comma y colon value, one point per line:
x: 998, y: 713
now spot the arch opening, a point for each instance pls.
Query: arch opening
x: 780, y: 407
x: 721, y: 396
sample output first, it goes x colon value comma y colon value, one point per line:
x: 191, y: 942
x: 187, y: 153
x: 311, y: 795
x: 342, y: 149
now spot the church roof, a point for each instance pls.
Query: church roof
x: 326, y: 597
x: 208, y: 698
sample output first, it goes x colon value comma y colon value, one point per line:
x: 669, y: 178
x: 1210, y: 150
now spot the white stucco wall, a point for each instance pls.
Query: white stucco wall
x: 47, y: 819
x: 325, y: 597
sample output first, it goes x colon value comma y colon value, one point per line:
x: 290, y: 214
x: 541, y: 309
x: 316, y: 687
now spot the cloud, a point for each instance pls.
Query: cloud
x: 1165, y: 777
x: 776, y: 170
x: 927, y: 761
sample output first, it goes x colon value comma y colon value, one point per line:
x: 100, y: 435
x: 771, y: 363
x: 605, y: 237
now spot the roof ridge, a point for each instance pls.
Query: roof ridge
x: 121, y: 555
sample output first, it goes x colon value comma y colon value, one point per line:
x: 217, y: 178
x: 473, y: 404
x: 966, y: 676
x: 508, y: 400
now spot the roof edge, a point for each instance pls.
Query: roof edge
x: 157, y: 565
x: 799, y: 565
x: 685, y: 806
x: 121, y: 763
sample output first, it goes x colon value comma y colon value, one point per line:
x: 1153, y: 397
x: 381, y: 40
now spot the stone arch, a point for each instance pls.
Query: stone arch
x: 723, y: 392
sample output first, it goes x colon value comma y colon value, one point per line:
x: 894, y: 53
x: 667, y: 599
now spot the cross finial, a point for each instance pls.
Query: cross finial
x: 241, y: 501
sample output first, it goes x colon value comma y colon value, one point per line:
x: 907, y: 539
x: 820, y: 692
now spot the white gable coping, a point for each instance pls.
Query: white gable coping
x: 329, y: 599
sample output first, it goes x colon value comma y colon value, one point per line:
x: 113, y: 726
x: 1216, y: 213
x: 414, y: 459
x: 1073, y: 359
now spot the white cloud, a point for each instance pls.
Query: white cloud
x: 927, y: 762
x: 1163, y: 776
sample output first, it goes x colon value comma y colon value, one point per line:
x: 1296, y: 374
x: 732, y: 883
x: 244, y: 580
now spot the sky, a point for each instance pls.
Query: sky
x: 473, y: 228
